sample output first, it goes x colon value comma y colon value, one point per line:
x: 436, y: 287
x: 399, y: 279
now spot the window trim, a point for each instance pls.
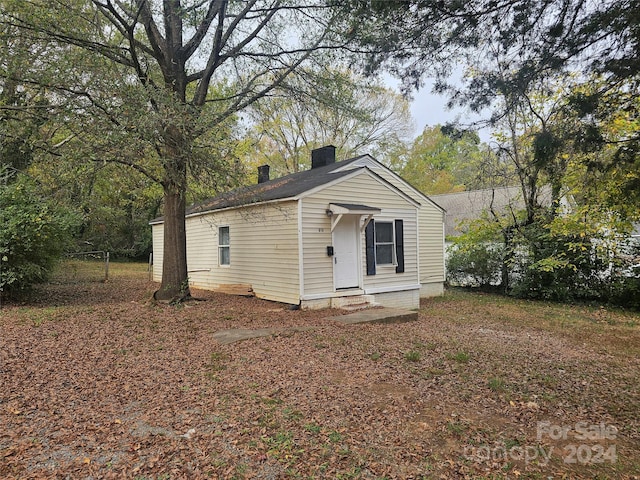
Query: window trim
x: 222, y: 246
x: 394, y: 260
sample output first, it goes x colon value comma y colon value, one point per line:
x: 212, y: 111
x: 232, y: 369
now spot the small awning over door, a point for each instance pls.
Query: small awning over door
x: 337, y: 210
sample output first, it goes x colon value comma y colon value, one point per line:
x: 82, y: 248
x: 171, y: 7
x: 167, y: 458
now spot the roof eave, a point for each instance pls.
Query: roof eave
x: 233, y: 207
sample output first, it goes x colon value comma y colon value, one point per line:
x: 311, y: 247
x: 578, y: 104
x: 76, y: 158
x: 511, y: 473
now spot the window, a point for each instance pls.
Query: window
x: 224, y: 255
x: 384, y: 243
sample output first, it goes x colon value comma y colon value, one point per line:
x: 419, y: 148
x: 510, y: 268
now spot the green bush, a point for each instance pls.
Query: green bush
x: 570, y: 268
x: 624, y: 290
x: 563, y: 261
x: 474, y: 264
x: 33, y: 234
x: 554, y: 269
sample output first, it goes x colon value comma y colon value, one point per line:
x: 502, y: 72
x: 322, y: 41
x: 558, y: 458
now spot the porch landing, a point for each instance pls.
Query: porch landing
x: 377, y: 315
x: 374, y: 315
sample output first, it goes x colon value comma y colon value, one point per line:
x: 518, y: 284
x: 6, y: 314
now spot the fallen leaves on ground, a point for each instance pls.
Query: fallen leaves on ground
x: 96, y: 381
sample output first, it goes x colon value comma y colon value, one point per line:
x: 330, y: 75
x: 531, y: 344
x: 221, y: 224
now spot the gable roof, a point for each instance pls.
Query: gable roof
x: 470, y: 204
x: 281, y: 188
x: 295, y: 184
x: 371, y: 163
x: 284, y: 187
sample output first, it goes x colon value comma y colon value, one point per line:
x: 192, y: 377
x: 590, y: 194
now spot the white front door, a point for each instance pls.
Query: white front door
x: 345, y: 252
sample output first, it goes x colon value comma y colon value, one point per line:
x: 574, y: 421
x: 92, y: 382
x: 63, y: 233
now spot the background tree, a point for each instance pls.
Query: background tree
x: 23, y: 107
x: 140, y: 84
x: 440, y: 160
x: 114, y: 202
x: 540, y: 38
x: 326, y: 106
x: 118, y: 201
x: 567, y: 240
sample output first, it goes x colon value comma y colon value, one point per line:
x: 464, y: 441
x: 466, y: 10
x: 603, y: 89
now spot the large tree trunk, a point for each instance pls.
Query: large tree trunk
x: 175, y: 280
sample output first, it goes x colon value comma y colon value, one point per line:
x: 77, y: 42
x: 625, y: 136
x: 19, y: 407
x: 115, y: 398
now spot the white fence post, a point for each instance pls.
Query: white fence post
x: 106, y: 267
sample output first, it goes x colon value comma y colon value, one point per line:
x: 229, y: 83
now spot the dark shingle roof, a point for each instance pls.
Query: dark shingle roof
x: 279, y: 188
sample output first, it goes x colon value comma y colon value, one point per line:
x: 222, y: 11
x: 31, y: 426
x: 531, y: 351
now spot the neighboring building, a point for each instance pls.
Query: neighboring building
x: 463, y: 207
x: 337, y: 234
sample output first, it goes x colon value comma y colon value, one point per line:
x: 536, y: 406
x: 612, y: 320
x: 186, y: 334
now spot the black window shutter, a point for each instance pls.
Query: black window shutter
x: 370, y: 239
x: 399, y: 246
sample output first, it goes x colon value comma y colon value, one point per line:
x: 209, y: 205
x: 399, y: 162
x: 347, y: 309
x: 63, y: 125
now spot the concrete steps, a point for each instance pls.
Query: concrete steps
x: 354, y: 302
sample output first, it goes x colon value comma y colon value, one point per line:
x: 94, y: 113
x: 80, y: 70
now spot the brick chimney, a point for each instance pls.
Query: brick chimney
x: 263, y: 173
x: 323, y: 156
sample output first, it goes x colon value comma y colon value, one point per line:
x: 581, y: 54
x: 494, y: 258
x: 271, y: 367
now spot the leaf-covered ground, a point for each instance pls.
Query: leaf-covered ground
x: 97, y: 382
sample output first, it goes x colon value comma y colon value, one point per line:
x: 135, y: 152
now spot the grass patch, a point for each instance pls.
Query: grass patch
x: 497, y: 384
x: 217, y: 363
x: 412, y: 356
x: 457, y: 427
x: 292, y: 414
x: 282, y: 447
x: 460, y: 357
x: 313, y: 428
x: 38, y: 317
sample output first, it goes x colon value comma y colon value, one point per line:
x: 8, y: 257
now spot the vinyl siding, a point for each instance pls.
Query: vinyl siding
x: 263, y: 250
x: 157, y: 234
x: 431, y: 244
x: 363, y: 188
x: 431, y: 233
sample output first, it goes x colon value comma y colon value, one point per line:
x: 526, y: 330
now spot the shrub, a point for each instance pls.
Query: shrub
x: 624, y: 290
x: 561, y: 258
x: 33, y: 234
x: 574, y: 268
x: 474, y: 264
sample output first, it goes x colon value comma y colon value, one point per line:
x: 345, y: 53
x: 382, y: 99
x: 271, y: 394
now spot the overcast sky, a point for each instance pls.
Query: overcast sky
x: 429, y: 109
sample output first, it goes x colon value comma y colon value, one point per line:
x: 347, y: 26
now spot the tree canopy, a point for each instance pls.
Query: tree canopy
x: 440, y: 160
x: 132, y: 81
x: 533, y: 39
x: 326, y: 106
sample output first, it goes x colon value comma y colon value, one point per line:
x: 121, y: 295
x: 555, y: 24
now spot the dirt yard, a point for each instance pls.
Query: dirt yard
x: 98, y: 382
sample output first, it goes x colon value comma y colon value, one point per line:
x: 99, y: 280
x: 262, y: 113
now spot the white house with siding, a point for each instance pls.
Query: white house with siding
x: 340, y: 233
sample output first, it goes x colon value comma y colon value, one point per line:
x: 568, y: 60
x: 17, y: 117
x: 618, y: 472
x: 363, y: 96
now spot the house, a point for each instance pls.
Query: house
x: 339, y: 233
x: 463, y: 207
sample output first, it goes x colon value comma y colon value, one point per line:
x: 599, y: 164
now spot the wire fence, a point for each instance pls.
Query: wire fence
x: 81, y: 267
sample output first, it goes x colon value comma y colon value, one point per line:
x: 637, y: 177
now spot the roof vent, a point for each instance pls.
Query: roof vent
x: 323, y: 156
x: 263, y: 173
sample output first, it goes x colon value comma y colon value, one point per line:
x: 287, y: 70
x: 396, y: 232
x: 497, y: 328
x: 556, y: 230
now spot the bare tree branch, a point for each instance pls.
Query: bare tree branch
x: 216, y: 8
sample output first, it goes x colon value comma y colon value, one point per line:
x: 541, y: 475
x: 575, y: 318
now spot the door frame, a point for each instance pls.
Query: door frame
x: 355, y: 219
